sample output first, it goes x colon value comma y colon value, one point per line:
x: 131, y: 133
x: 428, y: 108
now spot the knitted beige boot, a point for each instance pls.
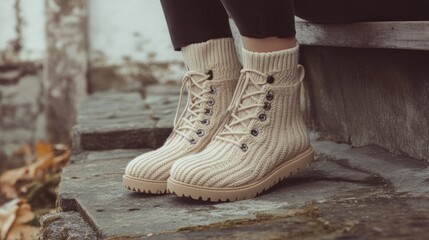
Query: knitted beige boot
x: 213, y: 73
x: 264, y: 140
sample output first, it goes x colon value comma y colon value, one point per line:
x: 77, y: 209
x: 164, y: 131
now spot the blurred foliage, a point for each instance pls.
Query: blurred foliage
x: 29, y: 191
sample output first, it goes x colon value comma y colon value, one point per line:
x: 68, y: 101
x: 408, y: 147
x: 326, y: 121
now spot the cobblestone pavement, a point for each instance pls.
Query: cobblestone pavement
x: 348, y: 193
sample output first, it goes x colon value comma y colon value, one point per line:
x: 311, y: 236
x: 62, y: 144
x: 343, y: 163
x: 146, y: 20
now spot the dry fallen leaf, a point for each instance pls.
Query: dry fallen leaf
x: 22, y: 232
x: 13, y: 218
x: 7, y: 217
x: 47, y: 158
x: 9, y: 191
x: 15, y: 214
x: 43, y: 149
x: 11, y: 177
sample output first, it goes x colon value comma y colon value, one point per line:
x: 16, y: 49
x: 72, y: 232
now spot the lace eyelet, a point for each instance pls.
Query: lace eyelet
x: 244, y: 147
x: 267, y: 106
x: 262, y: 117
x: 200, y: 132
x: 269, y: 96
x: 210, y: 73
x: 211, y: 102
x: 193, y: 141
x: 208, y: 111
x: 212, y: 90
x: 205, y: 121
x: 270, y: 79
x: 254, y: 132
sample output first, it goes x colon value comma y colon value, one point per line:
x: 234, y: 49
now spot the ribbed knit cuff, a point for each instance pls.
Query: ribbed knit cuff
x: 282, y: 60
x: 216, y: 52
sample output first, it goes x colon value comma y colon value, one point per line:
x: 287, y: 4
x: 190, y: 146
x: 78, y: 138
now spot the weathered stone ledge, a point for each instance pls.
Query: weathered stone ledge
x: 342, y: 195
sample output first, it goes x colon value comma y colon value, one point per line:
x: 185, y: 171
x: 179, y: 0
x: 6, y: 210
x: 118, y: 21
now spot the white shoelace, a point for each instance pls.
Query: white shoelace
x: 241, y: 93
x: 194, y: 106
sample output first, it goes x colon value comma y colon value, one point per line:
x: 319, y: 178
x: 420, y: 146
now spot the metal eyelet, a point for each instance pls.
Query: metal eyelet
x: 200, y: 132
x: 270, y: 79
x: 254, y: 132
x: 193, y: 141
x: 208, y: 111
x: 212, y: 90
x: 210, y: 73
x: 205, y: 121
x: 244, y: 147
x: 211, y: 102
x: 262, y: 117
x: 267, y: 106
x: 270, y: 96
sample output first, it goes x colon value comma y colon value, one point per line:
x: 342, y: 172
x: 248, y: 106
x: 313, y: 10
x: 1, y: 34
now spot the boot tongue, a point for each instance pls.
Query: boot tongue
x: 250, y: 88
x: 216, y: 55
x: 209, y: 55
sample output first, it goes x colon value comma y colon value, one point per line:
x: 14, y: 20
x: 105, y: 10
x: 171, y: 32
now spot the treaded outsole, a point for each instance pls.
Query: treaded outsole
x: 288, y: 169
x: 144, y: 186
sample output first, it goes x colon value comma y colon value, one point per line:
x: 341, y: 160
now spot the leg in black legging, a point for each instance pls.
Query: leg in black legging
x: 262, y: 18
x: 195, y: 21
x: 266, y: 25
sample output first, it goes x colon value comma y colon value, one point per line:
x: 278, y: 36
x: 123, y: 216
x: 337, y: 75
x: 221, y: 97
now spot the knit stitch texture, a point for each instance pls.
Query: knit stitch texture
x: 268, y: 141
x: 213, y: 72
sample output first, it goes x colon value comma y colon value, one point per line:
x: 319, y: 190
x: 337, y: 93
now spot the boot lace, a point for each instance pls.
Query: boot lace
x: 241, y: 108
x: 191, y: 114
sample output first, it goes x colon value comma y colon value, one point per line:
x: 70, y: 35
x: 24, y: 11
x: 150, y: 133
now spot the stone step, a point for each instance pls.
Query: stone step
x: 108, y: 121
x: 348, y: 193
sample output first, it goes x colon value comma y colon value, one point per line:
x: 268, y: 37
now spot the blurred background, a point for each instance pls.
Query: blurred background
x: 53, y: 53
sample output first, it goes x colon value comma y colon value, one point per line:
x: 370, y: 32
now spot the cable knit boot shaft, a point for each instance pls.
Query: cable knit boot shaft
x: 263, y: 141
x: 213, y: 72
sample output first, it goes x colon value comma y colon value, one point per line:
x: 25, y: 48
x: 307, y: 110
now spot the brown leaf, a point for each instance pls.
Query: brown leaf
x: 11, y: 177
x: 7, y: 217
x: 13, y: 218
x: 43, y: 149
x: 22, y: 232
x: 8, y: 191
x: 24, y: 213
x: 48, y: 159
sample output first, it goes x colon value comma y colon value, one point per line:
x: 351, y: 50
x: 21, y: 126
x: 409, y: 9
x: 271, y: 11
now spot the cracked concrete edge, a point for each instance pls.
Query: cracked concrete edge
x: 64, y: 225
x: 122, y: 139
x: 377, y: 161
x: 67, y: 203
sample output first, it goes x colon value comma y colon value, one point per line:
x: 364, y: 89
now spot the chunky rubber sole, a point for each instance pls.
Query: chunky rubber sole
x: 144, y: 185
x: 243, y: 192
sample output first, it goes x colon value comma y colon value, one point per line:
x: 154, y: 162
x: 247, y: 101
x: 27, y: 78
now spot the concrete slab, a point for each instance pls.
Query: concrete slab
x: 98, y: 196
x: 342, y: 195
x: 406, y: 175
x: 125, y: 120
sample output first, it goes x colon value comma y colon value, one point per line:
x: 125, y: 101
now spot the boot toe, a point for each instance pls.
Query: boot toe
x: 202, y: 171
x: 150, y: 166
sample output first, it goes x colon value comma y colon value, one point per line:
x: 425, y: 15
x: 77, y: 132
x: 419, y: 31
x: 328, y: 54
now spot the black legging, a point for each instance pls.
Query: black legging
x: 193, y: 21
